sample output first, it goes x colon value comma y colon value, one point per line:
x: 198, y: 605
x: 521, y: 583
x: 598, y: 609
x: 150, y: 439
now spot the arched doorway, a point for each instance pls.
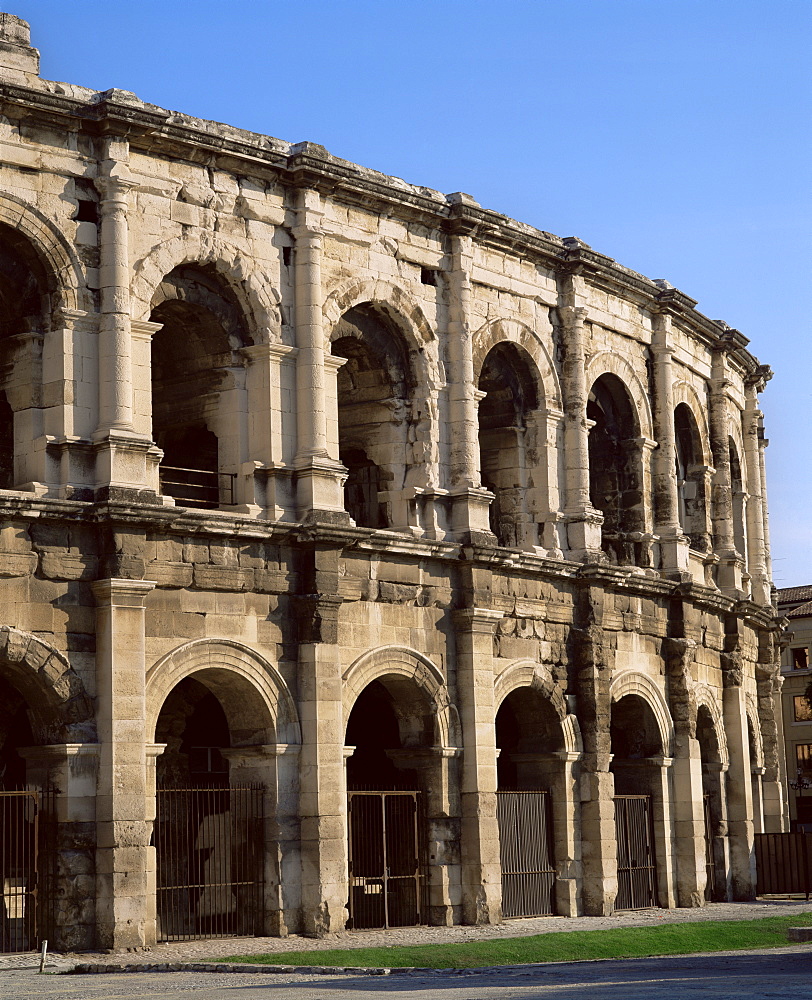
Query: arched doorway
x: 198, y: 409
x: 390, y: 733
x: 615, y: 470
x: 640, y: 801
x: 209, y: 830
x: 692, y: 500
x: 375, y: 387
x: 529, y: 742
x: 714, y: 807
x: 505, y: 448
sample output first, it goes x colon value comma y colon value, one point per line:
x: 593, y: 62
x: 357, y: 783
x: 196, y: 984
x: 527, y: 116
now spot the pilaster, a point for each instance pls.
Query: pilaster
x: 731, y: 563
x: 123, y: 824
x: 481, y: 865
x: 752, y: 420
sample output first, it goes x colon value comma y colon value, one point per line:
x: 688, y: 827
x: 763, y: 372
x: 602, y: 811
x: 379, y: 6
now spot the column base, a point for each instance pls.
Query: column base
x: 469, y: 515
x: 318, y: 482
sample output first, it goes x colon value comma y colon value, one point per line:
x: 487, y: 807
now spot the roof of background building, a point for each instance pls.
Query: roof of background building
x: 791, y: 595
x: 803, y: 611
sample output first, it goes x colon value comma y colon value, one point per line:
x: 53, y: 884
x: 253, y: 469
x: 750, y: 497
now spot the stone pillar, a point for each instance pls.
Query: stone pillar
x: 756, y: 549
x: 583, y: 521
x: 663, y: 822
x: 689, y: 822
x: 319, y: 476
x: 739, y: 791
x: 152, y: 752
x: 470, y: 502
x: 481, y: 865
x: 768, y: 563
x: 673, y: 542
x: 323, y: 794
x: 68, y: 771
x: 123, y: 826
x: 729, y: 571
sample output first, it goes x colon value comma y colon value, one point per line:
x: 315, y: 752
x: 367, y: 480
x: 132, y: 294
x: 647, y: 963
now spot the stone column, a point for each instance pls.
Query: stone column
x: 756, y: 548
x: 686, y: 771
x: 323, y: 795
x: 319, y: 475
x: 470, y: 502
x: 123, y: 826
x: 768, y: 563
x: 481, y: 865
x: 729, y: 572
x: 583, y: 521
x: 663, y: 821
x: 739, y: 790
x: 68, y: 771
x: 673, y: 542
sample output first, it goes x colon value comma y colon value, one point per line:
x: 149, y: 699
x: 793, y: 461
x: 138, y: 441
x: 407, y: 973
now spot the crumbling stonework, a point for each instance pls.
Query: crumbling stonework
x: 342, y: 456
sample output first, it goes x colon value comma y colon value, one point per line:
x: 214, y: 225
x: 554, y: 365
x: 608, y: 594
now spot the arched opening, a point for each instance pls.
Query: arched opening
x: 374, y: 413
x: 615, y: 470
x: 637, y: 753
x: 738, y: 498
x: 691, y: 483
x: 24, y: 318
x: 714, y: 805
x: 210, y: 830
x: 390, y: 774
x: 531, y: 802
x: 756, y: 775
x: 198, y: 405
x: 15, y: 733
x: 510, y: 396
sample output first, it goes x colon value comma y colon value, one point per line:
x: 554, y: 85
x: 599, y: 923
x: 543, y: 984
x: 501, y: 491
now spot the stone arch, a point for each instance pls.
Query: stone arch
x: 538, y: 677
x: 56, y: 252
x: 757, y: 742
x: 240, y: 270
x: 512, y: 331
x: 399, y: 306
x: 703, y: 696
x: 58, y: 704
x: 408, y: 663
x: 685, y: 393
x: 607, y: 363
x: 257, y: 701
x: 636, y: 683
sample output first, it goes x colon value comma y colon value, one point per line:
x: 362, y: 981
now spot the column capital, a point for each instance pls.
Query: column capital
x: 574, y: 315
x: 307, y: 236
x: 126, y: 593
x: 482, y: 620
x: 115, y: 187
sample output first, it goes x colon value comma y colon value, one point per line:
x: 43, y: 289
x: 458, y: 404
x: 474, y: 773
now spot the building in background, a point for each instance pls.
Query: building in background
x: 795, y: 604
x: 365, y: 556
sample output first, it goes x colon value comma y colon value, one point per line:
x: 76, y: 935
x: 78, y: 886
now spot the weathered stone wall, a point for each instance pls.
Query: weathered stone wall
x: 549, y: 540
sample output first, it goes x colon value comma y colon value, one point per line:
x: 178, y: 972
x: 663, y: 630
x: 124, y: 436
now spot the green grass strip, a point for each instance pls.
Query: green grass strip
x: 567, y: 946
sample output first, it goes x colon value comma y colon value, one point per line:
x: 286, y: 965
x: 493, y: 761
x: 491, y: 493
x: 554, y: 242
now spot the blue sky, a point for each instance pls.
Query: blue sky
x: 672, y: 135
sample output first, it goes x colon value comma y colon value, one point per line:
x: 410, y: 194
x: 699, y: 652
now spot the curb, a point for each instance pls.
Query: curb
x: 318, y: 970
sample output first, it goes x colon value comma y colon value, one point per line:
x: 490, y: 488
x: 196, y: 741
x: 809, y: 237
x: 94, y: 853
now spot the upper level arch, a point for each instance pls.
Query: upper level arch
x: 606, y: 363
x: 62, y: 271
x: 685, y: 394
x: 397, y: 305
x: 238, y: 269
x: 498, y: 331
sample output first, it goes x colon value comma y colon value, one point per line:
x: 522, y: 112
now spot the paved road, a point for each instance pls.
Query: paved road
x: 743, y: 977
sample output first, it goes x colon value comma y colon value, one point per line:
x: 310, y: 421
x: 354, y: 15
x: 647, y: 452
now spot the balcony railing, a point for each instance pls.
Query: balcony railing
x: 197, y: 487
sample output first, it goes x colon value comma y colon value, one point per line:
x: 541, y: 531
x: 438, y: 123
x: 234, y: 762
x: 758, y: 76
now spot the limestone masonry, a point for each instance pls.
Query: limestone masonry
x: 365, y: 555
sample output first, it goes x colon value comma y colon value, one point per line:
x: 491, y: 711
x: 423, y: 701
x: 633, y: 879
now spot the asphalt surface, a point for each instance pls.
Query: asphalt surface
x: 745, y: 976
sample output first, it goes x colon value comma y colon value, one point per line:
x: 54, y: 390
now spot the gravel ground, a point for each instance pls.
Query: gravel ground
x: 196, y: 951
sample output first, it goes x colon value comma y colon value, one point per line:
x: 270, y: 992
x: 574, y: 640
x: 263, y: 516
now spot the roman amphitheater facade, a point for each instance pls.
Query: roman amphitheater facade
x: 322, y: 484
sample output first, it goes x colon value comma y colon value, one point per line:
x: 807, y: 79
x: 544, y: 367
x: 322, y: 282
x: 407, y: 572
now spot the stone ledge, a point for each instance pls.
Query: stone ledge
x: 799, y: 933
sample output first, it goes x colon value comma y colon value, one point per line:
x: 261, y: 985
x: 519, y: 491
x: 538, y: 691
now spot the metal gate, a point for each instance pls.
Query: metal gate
x: 710, y: 864
x: 386, y: 876
x: 525, y: 849
x: 19, y: 839
x: 210, y: 859
x: 636, y: 869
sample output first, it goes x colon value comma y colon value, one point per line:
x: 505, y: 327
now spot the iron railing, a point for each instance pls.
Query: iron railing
x: 19, y: 855
x: 197, y: 487
x: 525, y: 848
x: 210, y: 859
x: 387, y: 879
x: 783, y: 863
x: 710, y: 863
x: 636, y: 869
